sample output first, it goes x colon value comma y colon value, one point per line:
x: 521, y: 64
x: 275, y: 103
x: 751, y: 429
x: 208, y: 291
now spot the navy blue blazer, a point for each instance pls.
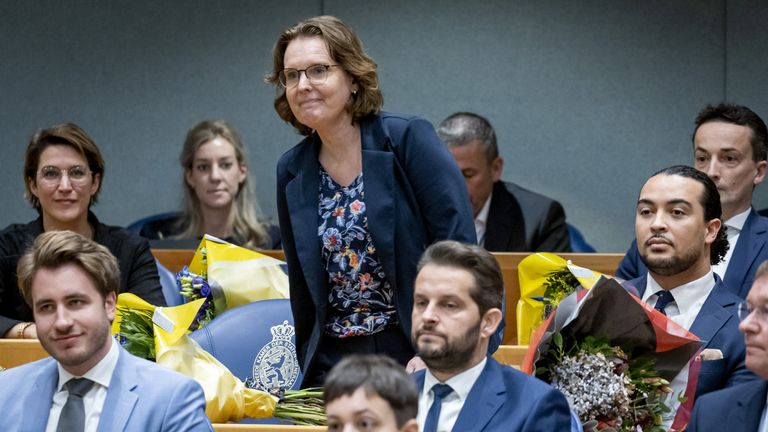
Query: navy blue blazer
x: 505, y: 399
x: 750, y: 251
x: 717, y: 325
x: 415, y: 195
x: 735, y: 409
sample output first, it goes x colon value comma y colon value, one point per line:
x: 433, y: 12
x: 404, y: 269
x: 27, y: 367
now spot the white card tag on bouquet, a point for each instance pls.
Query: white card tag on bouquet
x: 580, y: 272
x: 162, y: 321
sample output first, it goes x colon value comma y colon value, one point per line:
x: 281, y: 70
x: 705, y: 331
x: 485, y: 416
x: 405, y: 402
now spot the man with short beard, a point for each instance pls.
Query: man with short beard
x: 679, y: 238
x: 729, y: 145
x: 456, y: 309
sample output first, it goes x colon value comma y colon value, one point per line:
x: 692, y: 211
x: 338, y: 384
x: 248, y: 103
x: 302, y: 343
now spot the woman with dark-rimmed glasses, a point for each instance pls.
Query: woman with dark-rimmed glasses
x: 63, y: 173
x: 359, y: 199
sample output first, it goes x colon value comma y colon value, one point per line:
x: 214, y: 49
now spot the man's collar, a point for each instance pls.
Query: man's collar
x: 737, y: 221
x: 461, y: 383
x: 101, y: 373
x: 482, y: 217
x: 685, y: 295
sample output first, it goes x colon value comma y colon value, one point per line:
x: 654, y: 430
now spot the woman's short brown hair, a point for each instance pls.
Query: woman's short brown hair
x: 68, y: 134
x: 346, y: 49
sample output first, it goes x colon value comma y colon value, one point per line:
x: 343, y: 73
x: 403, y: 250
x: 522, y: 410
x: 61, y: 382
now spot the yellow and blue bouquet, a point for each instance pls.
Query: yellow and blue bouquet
x: 160, y: 334
x: 228, y: 276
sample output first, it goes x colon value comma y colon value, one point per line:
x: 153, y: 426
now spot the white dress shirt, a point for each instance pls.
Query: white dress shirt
x: 734, y: 225
x: 763, y: 427
x: 93, y: 400
x: 452, y: 404
x: 482, y: 220
x: 689, y: 298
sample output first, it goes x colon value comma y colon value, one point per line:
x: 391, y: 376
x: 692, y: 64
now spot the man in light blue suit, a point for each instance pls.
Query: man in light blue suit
x: 679, y: 237
x: 742, y: 408
x: 730, y: 146
x: 89, y: 382
x: 456, y: 309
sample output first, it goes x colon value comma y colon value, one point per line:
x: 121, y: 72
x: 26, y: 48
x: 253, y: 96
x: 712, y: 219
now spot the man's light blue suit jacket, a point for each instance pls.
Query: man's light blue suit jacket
x: 504, y: 399
x: 142, y: 397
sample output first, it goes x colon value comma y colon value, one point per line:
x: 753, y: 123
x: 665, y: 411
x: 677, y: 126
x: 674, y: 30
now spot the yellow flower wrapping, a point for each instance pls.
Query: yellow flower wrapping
x: 227, y: 398
x: 532, y: 272
x: 246, y: 276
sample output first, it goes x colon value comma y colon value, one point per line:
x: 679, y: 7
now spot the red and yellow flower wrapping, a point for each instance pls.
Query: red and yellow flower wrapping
x: 609, y: 311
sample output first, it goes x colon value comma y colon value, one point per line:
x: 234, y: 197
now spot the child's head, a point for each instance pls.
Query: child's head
x: 371, y: 393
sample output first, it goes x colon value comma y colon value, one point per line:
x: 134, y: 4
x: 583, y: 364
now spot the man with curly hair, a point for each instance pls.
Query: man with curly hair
x: 679, y: 236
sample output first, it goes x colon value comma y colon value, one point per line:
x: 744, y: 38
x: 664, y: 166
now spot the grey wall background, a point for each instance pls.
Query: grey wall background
x: 588, y: 97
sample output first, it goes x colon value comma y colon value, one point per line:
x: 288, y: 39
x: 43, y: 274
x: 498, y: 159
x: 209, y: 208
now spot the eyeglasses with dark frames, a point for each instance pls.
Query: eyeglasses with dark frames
x: 316, y: 74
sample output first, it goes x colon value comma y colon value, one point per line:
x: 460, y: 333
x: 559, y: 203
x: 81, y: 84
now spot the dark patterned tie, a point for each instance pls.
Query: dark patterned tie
x: 440, y: 391
x: 72, y: 417
x: 665, y: 297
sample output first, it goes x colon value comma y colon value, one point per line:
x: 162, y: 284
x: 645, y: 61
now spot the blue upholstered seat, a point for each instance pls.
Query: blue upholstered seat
x: 150, y: 226
x: 256, y: 342
x: 170, y: 290
x: 578, y: 242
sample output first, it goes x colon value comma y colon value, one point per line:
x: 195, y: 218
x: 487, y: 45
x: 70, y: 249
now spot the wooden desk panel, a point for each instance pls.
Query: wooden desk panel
x: 508, y: 261
x: 175, y: 259
x: 236, y: 427
x: 16, y: 352
x: 511, y: 355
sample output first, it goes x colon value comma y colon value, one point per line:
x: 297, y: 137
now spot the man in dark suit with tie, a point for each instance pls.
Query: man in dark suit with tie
x: 508, y: 218
x: 741, y: 408
x: 730, y: 146
x: 456, y: 309
x: 679, y: 237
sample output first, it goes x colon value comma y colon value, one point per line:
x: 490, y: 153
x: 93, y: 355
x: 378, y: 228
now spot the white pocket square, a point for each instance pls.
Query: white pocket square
x: 711, y: 354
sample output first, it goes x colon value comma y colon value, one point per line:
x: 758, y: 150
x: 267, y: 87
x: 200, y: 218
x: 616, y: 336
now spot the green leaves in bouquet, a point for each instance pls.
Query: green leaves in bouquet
x: 558, y: 285
x: 137, y: 332
x: 302, y: 407
x: 552, y: 357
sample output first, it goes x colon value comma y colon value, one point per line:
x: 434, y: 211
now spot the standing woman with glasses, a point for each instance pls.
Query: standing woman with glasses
x: 359, y: 199
x: 63, y: 172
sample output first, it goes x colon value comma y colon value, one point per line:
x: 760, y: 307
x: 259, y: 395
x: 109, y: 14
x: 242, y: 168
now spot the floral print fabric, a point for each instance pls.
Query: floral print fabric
x: 360, y: 299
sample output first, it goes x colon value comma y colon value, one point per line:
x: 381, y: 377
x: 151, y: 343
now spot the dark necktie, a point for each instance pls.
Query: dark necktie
x: 665, y: 297
x: 433, y: 415
x: 73, y: 414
